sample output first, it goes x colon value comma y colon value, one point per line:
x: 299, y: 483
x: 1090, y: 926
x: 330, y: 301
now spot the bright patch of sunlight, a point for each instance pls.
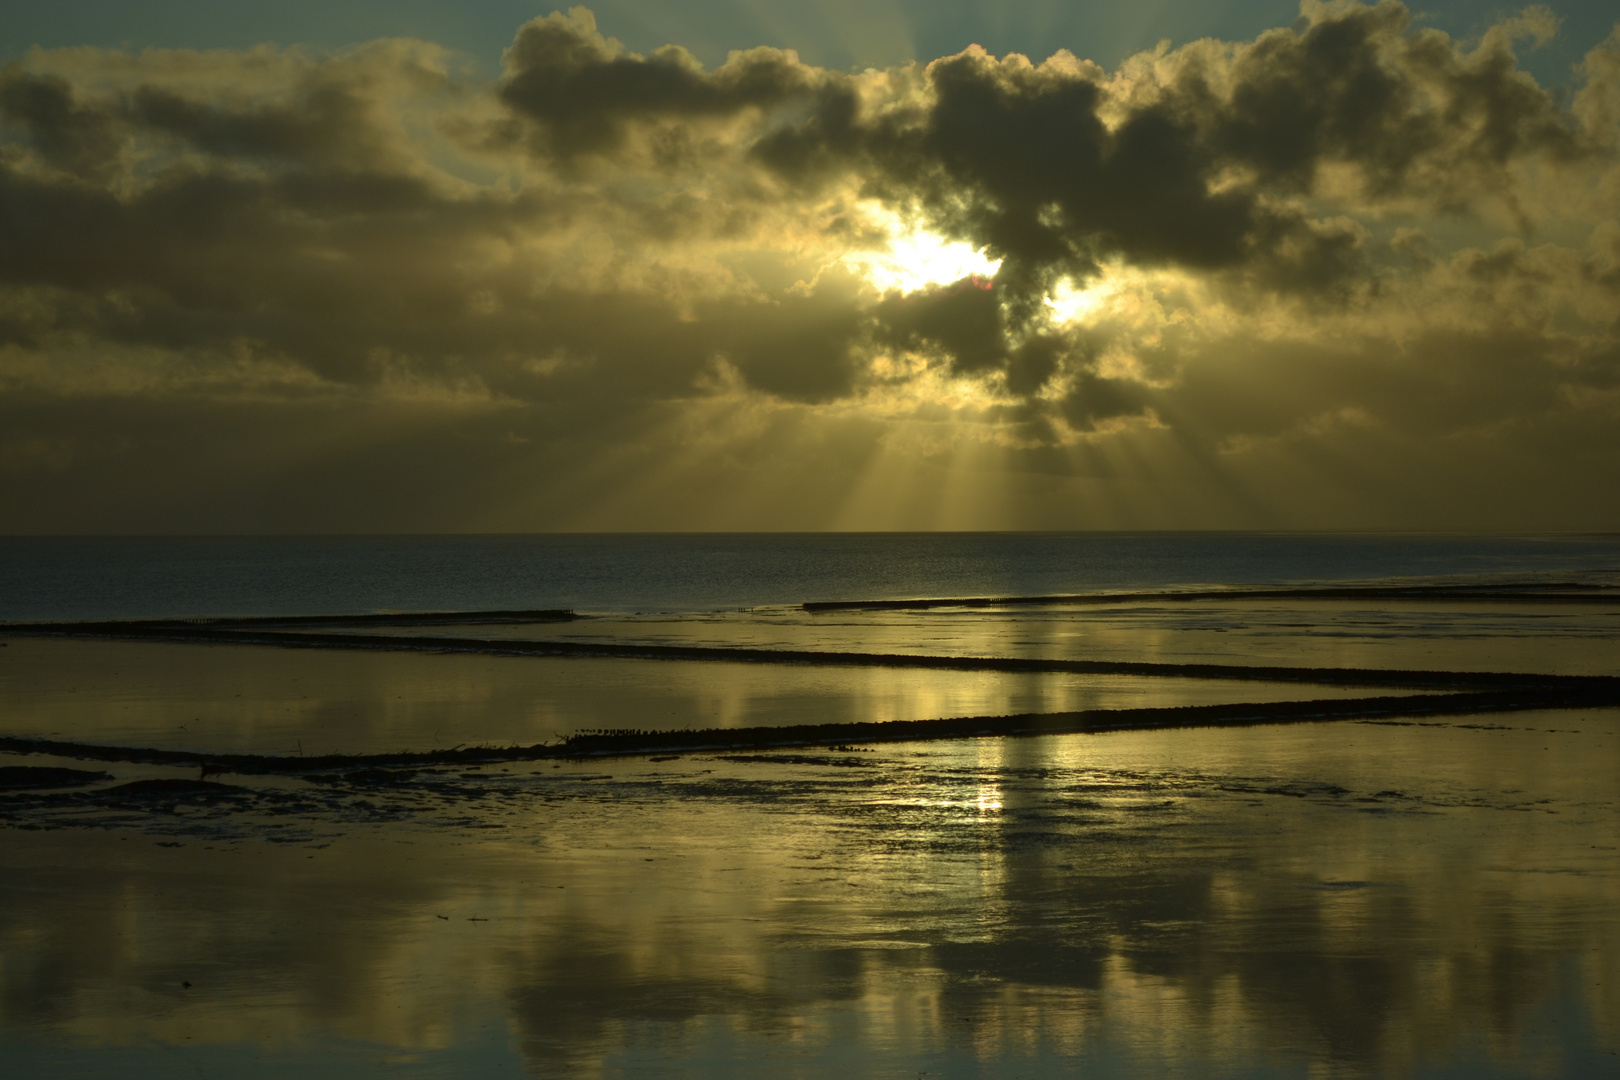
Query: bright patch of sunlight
x: 1071, y: 305
x: 917, y: 258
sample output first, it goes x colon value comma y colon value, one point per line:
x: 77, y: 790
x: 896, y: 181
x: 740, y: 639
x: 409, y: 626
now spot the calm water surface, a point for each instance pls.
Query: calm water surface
x: 1430, y: 899
x: 88, y: 577
x: 1338, y: 900
x: 238, y: 699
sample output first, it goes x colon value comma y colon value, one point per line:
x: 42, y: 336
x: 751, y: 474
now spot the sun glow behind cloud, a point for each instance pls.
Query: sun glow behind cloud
x: 720, y: 296
x: 915, y: 258
x: 1128, y: 295
x: 1071, y: 305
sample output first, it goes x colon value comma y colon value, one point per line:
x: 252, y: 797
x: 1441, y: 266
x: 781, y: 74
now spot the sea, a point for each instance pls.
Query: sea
x: 146, y: 577
x: 377, y: 844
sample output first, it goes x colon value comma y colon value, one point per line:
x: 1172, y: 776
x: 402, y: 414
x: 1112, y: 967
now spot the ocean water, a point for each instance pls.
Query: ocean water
x: 1402, y: 896
x: 96, y: 578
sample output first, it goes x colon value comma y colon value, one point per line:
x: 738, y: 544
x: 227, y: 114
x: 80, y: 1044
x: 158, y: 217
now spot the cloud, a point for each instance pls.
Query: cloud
x: 1350, y: 232
x: 581, y: 91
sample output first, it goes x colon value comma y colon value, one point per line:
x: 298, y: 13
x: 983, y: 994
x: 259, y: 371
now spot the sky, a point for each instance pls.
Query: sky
x: 366, y: 267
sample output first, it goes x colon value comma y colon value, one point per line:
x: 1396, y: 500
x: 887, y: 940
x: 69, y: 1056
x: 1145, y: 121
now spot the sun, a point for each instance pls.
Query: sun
x: 914, y: 258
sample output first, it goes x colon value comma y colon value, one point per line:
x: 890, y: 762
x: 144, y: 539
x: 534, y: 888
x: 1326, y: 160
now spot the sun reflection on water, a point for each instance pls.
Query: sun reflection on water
x: 1007, y: 905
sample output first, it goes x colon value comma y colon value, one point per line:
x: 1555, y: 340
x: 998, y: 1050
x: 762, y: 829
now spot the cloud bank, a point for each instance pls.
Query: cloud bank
x: 1351, y: 273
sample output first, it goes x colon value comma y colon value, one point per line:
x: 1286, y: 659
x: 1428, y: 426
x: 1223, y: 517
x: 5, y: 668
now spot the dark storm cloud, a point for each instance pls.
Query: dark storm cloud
x: 65, y: 133
x: 298, y: 225
x: 581, y: 91
x: 1191, y: 160
x: 1410, y: 111
x: 328, y: 114
x: 326, y: 121
x: 1018, y: 159
x: 963, y: 321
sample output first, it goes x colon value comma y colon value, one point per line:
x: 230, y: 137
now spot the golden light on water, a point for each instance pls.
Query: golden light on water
x: 407, y: 344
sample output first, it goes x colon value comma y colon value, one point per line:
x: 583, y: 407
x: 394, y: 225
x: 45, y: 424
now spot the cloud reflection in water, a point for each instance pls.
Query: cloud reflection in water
x: 1345, y: 899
